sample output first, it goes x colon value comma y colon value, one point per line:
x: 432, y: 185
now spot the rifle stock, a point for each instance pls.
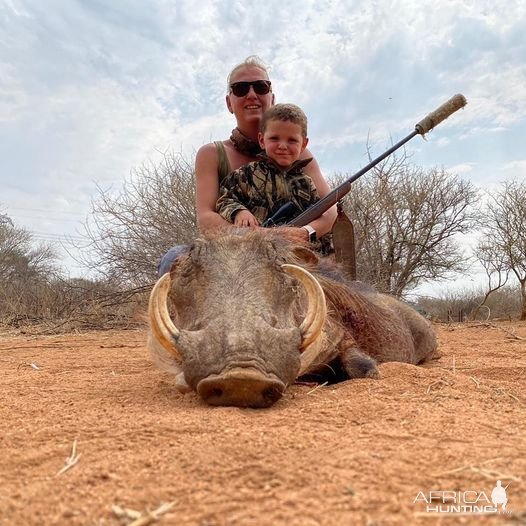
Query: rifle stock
x: 285, y: 211
x: 426, y: 124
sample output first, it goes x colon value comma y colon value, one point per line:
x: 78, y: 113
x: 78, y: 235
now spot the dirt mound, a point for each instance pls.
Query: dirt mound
x: 361, y: 452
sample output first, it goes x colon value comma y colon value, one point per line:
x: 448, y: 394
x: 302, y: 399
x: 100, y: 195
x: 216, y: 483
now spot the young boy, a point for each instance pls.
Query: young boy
x: 254, y: 192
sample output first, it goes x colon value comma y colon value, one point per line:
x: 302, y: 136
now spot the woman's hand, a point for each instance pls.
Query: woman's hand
x: 293, y: 233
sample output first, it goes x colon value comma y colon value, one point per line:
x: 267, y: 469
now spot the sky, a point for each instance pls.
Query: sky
x: 90, y: 90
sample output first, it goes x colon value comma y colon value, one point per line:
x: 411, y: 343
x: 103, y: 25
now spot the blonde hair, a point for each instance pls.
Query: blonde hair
x: 287, y: 113
x: 251, y: 61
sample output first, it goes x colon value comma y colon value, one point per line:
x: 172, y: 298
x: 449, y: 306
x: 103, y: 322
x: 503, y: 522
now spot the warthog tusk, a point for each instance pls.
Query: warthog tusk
x: 162, y: 326
x: 310, y: 354
x: 314, y: 320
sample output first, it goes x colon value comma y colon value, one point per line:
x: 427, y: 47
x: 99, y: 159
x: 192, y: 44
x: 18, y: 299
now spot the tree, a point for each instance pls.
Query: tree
x: 19, y: 258
x: 34, y: 290
x: 405, y: 220
x: 497, y: 270
x: 129, y: 232
x: 503, y: 303
x: 25, y: 272
x: 504, y: 222
x: 5, y: 220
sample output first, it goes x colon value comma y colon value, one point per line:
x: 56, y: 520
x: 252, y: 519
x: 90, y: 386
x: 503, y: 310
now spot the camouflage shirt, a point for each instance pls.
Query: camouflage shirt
x: 262, y: 187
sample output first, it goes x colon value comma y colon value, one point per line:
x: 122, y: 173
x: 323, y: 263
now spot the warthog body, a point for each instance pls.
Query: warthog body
x: 250, y: 312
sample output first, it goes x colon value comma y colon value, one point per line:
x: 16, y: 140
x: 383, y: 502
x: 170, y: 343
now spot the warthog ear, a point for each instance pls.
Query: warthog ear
x: 305, y: 256
x: 177, y: 265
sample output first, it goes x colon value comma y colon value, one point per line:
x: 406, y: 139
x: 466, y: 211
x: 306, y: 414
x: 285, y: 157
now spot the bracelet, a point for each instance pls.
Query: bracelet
x: 312, y: 233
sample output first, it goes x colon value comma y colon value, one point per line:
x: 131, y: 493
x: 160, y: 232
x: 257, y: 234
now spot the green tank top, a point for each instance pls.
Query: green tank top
x: 223, y: 166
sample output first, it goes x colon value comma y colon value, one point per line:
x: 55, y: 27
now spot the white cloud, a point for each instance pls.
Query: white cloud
x: 516, y: 166
x: 90, y: 90
x: 461, y: 169
x: 513, y: 170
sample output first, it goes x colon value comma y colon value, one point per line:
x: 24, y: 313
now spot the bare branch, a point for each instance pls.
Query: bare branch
x: 406, y: 219
x: 130, y: 230
x: 504, y: 221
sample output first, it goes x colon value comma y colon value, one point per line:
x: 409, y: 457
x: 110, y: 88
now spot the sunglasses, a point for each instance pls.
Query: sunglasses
x: 240, y: 89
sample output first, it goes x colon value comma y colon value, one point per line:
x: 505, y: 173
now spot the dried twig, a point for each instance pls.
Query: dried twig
x: 33, y: 365
x: 125, y: 513
x: 71, y: 460
x: 427, y: 366
x: 317, y: 387
x: 437, y: 385
x: 513, y: 396
x: 501, y: 391
x: 487, y: 473
x: 143, y: 519
x: 510, y: 332
x: 492, y: 474
x: 451, y: 471
x: 477, y: 382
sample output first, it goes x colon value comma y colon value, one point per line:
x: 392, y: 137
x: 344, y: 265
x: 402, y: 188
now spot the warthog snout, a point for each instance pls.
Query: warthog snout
x: 241, y: 387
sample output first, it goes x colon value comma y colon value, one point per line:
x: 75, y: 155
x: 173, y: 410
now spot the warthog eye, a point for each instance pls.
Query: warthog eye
x: 273, y: 320
x: 196, y: 326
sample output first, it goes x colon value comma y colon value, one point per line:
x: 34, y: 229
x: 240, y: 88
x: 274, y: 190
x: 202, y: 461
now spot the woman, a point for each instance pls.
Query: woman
x: 249, y: 95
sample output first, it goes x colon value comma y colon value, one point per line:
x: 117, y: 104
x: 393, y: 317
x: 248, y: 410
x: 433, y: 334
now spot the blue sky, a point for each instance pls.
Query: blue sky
x: 90, y: 90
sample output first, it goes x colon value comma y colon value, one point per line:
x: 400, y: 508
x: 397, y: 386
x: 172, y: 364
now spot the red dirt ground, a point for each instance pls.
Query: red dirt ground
x: 355, y: 453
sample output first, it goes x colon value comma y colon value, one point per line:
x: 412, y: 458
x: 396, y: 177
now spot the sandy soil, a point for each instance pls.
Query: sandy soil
x: 355, y: 453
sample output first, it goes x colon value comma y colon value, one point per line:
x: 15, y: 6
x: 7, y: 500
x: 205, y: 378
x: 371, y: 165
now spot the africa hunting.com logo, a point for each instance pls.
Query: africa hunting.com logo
x: 462, y: 502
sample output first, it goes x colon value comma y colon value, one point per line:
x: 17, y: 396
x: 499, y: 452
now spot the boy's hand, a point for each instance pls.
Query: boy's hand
x: 245, y: 218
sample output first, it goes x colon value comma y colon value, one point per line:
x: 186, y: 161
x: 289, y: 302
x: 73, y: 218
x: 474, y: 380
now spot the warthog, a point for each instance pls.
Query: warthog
x: 241, y: 316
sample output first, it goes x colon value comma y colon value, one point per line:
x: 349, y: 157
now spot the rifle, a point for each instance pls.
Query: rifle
x: 429, y: 122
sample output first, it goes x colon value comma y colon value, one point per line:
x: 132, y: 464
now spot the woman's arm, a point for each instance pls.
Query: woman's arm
x: 207, y: 189
x: 322, y: 224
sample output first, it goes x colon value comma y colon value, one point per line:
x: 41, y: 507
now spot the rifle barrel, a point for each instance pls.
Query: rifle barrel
x: 340, y: 191
x: 426, y: 124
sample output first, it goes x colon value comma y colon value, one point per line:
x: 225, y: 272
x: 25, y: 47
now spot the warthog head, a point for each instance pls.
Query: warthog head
x: 237, y: 319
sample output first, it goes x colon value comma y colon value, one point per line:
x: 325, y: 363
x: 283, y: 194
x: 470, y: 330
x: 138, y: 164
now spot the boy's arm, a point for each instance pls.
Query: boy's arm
x: 314, y: 194
x: 232, y: 196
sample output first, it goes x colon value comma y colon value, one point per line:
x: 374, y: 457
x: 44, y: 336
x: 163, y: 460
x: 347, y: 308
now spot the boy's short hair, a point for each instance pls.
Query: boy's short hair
x: 252, y: 60
x: 285, y: 112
